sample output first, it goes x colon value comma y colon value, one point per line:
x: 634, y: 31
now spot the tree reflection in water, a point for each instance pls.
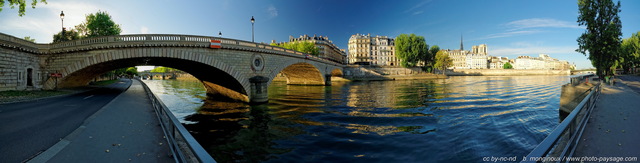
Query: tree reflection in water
x: 232, y: 131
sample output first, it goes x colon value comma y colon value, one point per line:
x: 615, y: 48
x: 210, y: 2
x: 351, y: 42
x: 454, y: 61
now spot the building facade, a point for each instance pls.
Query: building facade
x: 474, y: 59
x: 542, y: 62
x: 326, y: 48
x: 498, y: 62
x: 368, y: 50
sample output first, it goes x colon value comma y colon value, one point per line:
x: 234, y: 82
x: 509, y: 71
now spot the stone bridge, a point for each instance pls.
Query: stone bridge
x: 235, y: 69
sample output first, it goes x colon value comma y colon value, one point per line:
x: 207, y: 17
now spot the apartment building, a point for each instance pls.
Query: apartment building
x: 370, y: 50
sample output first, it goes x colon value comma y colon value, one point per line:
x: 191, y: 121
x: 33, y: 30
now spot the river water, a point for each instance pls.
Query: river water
x: 459, y: 119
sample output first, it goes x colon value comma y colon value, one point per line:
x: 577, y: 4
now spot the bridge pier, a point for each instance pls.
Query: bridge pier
x: 259, y: 85
x: 327, y: 79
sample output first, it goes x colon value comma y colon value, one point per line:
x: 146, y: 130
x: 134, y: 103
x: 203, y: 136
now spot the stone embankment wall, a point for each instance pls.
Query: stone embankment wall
x: 355, y: 72
x: 504, y: 72
x: 19, y: 70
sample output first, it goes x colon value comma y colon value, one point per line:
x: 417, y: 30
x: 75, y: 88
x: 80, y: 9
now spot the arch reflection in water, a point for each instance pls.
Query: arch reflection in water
x: 455, y: 119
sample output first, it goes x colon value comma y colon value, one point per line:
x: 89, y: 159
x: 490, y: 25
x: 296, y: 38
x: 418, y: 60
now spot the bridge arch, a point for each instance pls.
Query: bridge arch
x: 303, y: 74
x: 251, y: 65
x: 219, y: 79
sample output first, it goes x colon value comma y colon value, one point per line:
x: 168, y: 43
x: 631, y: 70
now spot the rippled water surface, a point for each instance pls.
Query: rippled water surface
x: 460, y: 119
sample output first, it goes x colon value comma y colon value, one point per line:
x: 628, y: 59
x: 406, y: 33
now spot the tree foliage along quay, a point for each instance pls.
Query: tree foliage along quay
x: 630, y: 52
x: 301, y: 46
x: 95, y: 25
x: 410, y: 49
x: 507, y: 66
x: 164, y: 70
x: 22, y: 5
x: 602, y: 37
x: 443, y: 61
x: 432, y: 54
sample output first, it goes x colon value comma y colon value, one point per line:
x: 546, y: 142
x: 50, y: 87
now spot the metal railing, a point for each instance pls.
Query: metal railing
x: 184, y: 147
x: 563, y: 140
x: 580, y: 79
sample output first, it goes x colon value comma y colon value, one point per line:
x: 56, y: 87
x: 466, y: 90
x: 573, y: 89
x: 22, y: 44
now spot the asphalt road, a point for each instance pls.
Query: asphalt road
x: 31, y: 127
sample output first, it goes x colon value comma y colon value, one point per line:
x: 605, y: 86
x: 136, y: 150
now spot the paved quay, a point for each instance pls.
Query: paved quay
x: 30, y: 127
x: 612, y: 130
x: 125, y: 130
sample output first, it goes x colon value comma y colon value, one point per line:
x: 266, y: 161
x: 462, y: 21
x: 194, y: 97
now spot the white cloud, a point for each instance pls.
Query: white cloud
x: 511, y: 33
x: 144, y: 30
x: 541, y: 23
x: 273, y: 11
x: 528, y: 48
x: 531, y: 26
x: 413, y: 9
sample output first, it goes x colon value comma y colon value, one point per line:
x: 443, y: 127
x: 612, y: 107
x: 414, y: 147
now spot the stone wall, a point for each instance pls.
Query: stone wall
x: 14, y: 70
x: 355, y: 72
x: 504, y: 72
x: 376, y: 71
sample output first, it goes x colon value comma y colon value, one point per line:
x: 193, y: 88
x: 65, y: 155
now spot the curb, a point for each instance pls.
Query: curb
x: 48, y: 97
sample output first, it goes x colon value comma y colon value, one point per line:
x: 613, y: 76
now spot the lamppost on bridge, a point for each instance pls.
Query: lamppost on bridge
x: 62, y: 19
x: 252, y: 36
x: 219, y: 33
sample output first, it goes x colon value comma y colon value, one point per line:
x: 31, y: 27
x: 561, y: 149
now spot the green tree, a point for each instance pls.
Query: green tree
x: 432, y: 54
x: 128, y: 71
x: 507, y: 66
x: 630, y: 52
x: 68, y: 36
x: 82, y: 29
x: 98, y: 24
x: 164, y: 69
x: 602, y: 37
x: 28, y: 38
x: 443, y: 61
x: 410, y: 49
x: 22, y: 5
x: 131, y: 71
x: 301, y: 46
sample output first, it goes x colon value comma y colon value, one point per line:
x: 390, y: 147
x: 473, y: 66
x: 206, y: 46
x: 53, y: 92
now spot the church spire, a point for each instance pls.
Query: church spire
x: 461, y: 46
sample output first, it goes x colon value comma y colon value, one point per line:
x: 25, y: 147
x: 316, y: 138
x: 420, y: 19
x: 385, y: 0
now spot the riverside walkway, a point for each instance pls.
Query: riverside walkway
x: 124, y: 130
x: 612, y: 130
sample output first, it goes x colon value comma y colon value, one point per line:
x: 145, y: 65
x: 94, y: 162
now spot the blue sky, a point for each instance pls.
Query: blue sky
x: 509, y: 28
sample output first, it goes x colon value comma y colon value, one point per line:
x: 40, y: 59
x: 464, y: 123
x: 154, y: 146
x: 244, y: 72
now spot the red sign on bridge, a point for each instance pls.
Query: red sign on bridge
x: 216, y: 44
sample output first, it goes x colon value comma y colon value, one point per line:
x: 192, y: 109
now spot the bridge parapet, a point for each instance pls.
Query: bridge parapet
x: 18, y: 43
x: 148, y: 40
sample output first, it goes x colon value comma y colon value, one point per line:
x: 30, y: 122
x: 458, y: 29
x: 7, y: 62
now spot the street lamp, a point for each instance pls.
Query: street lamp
x: 252, y: 36
x: 62, y: 18
x: 219, y: 33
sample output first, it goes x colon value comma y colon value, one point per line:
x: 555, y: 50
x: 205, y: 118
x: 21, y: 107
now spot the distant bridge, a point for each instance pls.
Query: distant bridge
x: 236, y: 69
x: 573, y: 72
x: 163, y: 75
